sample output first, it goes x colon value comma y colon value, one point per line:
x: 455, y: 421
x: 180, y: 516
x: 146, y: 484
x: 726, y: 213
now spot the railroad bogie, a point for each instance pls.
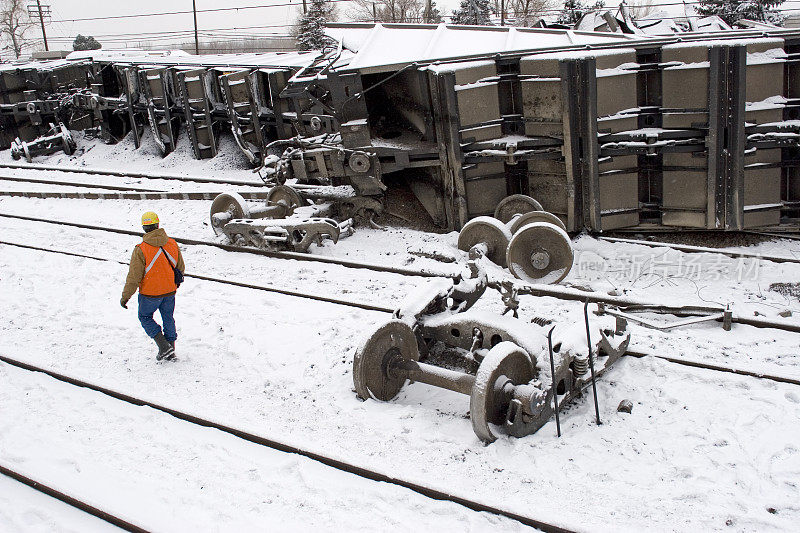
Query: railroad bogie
x: 275, y: 224
x: 512, y: 388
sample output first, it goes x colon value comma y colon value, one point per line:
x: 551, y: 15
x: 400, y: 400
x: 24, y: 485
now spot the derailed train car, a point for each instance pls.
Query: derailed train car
x: 606, y: 131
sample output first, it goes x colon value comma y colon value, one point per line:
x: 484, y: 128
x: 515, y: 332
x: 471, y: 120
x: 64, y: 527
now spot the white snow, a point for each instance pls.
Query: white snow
x: 702, y: 450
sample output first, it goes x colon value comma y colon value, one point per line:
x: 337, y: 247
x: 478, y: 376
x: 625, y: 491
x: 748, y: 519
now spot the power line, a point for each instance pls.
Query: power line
x: 166, y: 13
x: 177, y: 35
x: 168, y: 32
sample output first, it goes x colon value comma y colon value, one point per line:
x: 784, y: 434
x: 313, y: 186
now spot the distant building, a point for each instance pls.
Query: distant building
x: 52, y: 54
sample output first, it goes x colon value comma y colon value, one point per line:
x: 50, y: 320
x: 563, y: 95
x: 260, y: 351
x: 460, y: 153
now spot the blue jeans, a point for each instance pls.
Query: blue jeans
x: 166, y: 305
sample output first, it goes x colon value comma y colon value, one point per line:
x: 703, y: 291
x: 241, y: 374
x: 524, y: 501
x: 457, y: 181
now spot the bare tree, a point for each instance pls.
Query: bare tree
x: 393, y: 11
x: 522, y: 12
x: 14, y: 23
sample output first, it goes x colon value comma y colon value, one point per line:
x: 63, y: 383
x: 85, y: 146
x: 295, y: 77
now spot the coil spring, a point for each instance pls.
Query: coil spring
x: 580, y: 366
x: 541, y: 321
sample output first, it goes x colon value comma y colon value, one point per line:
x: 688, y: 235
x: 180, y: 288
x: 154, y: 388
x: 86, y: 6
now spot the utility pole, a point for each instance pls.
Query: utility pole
x: 427, y: 12
x: 304, y: 7
x: 41, y: 11
x: 196, y: 40
x: 502, y: 12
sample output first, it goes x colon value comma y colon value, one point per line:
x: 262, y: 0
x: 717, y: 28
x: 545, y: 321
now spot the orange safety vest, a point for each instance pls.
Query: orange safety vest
x: 159, y: 278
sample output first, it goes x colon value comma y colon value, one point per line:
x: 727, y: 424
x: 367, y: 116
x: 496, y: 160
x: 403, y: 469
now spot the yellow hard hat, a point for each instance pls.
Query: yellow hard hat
x: 149, y: 219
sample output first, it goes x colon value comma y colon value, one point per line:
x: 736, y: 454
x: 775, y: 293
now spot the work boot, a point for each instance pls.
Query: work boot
x: 171, y: 357
x: 165, y: 349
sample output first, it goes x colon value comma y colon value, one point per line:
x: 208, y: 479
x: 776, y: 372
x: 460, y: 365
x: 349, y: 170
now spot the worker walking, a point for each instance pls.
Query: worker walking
x: 156, y: 269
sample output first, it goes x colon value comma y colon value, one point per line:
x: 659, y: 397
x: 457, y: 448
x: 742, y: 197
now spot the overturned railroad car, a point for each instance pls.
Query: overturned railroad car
x: 607, y: 131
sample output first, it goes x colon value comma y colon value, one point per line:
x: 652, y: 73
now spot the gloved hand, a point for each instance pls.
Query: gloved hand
x: 123, y: 303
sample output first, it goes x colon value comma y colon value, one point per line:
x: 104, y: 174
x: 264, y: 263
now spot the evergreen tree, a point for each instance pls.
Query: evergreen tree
x: 85, y: 43
x: 473, y: 12
x: 732, y: 10
x: 574, y: 9
x: 434, y: 17
x: 311, y: 29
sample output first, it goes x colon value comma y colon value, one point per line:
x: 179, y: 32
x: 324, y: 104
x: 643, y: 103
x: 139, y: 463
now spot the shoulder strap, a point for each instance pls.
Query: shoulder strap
x: 171, y: 260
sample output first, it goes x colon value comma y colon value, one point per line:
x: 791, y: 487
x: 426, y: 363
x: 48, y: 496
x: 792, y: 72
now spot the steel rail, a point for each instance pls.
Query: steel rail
x: 231, y: 248
x: 703, y: 249
x: 72, y: 501
x: 791, y: 236
x: 338, y: 464
x: 124, y: 192
x: 561, y: 293
x: 72, y: 184
x: 715, y: 367
x: 285, y: 292
x: 349, y: 303
x: 123, y: 174
x: 145, y: 195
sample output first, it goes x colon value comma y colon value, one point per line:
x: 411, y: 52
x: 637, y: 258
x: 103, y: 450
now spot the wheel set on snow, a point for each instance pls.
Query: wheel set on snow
x: 531, y: 242
x: 282, y: 200
x: 58, y: 137
x: 275, y: 224
x: 390, y: 357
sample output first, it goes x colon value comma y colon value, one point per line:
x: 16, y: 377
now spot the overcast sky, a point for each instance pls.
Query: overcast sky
x: 61, y: 31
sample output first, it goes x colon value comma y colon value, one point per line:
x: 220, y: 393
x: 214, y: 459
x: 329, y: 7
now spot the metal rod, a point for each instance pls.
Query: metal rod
x: 553, y: 373
x: 591, y: 361
x: 565, y: 293
x: 268, y: 211
x: 434, y: 375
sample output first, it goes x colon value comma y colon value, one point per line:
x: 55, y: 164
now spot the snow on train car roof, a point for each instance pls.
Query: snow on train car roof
x: 181, y: 58
x: 384, y: 47
x: 44, y: 65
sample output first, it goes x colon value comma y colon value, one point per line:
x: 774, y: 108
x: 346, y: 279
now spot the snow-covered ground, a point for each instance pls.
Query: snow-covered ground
x: 701, y: 449
x: 163, y: 474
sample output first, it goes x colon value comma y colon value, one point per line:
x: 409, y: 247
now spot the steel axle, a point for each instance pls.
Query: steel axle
x: 531, y: 242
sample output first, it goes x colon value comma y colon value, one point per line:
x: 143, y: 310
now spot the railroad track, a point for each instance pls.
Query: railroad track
x: 130, y: 194
x: 71, y: 500
x: 561, y: 293
x: 121, y: 192
x: 703, y: 249
x: 265, y: 288
x: 137, y: 175
x: 338, y: 464
x: 124, y: 192
x: 38, y: 181
x: 231, y: 248
x: 390, y: 310
x: 264, y: 441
